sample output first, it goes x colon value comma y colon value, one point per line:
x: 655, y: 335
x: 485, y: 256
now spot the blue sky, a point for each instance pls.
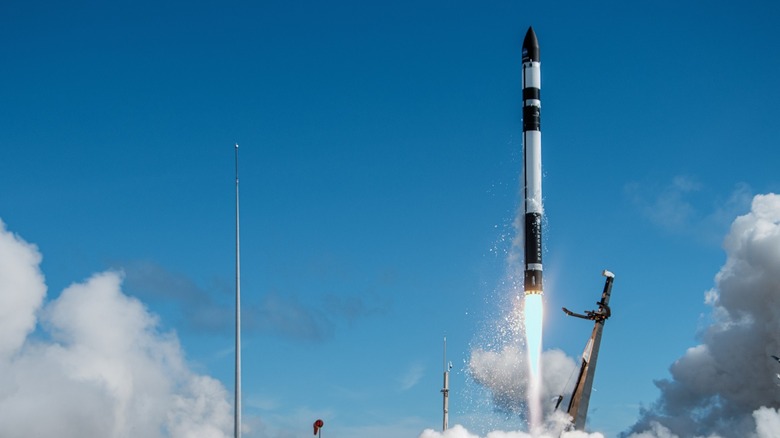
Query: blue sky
x: 380, y: 164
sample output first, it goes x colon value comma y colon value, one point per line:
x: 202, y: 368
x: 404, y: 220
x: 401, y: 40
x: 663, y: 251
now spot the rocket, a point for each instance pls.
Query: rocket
x: 532, y: 164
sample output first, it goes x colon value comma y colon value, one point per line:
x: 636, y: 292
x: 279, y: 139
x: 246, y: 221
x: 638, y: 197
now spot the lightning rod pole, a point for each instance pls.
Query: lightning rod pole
x: 237, y: 402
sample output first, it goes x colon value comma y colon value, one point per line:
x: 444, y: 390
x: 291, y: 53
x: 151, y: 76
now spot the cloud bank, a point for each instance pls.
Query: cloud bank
x: 727, y: 385
x: 93, y: 361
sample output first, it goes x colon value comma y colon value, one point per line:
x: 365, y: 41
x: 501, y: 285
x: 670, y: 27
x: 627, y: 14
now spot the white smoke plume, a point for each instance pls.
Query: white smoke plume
x: 553, y: 428
x: 98, y: 364
x: 502, y: 367
x: 727, y: 385
x: 505, y: 374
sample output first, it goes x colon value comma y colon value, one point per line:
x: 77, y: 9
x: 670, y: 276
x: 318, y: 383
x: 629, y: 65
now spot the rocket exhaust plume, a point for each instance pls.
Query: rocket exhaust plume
x: 533, y: 315
x: 532, y: 230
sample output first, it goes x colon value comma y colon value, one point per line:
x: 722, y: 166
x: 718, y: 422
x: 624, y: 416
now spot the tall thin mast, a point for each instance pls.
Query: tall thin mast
x: 446, y: 390
x: 237, y: 419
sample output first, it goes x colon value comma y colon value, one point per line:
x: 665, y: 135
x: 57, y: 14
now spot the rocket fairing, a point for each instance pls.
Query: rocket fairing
x: 532, y: 164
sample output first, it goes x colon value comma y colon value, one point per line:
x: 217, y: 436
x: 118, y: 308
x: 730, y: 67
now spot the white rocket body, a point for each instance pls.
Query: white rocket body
x: 532, y: 164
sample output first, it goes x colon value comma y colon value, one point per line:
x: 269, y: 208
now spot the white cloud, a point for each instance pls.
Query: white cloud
x: 767, y: 422
x: 21, y: 290
x: 101, y: 367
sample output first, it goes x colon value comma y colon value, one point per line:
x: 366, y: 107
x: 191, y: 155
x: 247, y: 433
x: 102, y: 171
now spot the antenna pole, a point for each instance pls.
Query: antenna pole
x: 237, y: 402
x: 446, y: 390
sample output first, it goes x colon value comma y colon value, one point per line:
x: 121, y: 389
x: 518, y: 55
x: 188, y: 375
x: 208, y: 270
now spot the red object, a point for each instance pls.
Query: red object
x: 317, y: 425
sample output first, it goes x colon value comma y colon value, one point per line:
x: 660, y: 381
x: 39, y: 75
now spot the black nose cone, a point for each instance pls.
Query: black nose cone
x: 530, y: 46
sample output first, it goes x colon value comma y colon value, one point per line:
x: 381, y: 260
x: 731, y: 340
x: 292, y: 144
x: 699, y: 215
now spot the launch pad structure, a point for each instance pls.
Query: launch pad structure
x: 580, y: 396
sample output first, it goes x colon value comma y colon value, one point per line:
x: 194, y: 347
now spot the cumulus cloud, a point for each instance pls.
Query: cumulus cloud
x: 98, y: 365
x: 727, y: 386
x: 19, y: 271
x: 767, y: 422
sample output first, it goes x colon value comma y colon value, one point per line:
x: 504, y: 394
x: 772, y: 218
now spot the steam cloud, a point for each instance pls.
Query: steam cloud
x: 727, y: 386
x: 553, y: 429
x: 503, y: 369
x: 505, y: 374
x: 93, y: 362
